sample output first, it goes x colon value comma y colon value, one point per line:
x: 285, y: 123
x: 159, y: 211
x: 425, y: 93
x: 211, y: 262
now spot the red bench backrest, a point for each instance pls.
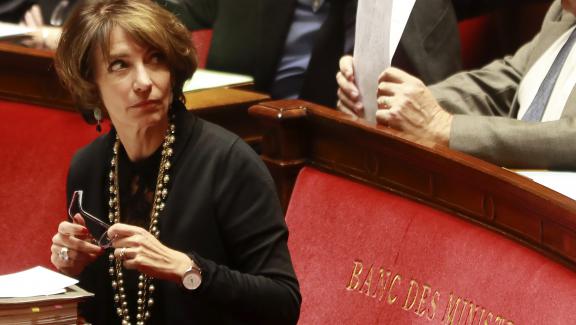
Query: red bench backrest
x: 366, y: 256
x: 36, y: 146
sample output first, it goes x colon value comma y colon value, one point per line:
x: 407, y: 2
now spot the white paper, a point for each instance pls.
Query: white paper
x: 37, y: 281
x: 379, y: 27
x: 561, y: 182
x: 7, y: 30
x: 204, y: 79
x: 401, y: 10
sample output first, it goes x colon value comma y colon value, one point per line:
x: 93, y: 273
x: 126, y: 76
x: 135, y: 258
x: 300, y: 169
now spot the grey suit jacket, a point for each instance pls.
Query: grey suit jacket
x: 485, y: 104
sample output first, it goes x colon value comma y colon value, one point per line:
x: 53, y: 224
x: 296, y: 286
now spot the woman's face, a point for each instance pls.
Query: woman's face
x: 135, y: 84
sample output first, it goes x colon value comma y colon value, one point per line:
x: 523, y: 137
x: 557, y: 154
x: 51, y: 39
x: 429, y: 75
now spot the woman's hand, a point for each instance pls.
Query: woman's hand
x: 406, y: 104
x: 349, y: 100
x: 72, y: 248
x: 141, y: 251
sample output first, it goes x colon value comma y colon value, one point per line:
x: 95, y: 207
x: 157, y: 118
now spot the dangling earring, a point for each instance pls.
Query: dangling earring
x: 98, y: 117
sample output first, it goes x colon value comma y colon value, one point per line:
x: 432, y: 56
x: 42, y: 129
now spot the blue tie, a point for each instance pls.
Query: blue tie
x: 536, y: 109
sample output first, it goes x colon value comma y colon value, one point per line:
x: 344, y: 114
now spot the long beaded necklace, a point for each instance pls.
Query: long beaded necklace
x: 145, y: 286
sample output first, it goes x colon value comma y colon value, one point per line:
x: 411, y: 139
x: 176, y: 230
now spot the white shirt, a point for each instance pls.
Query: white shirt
x: 564, y: 84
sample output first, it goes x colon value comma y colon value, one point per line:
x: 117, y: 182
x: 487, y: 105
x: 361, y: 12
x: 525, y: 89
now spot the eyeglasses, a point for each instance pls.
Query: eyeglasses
x: 98, y: 228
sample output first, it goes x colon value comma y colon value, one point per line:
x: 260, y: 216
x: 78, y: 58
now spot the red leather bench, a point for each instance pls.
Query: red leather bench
x: 388, y: 231
x: 366, y: 256
x: 36, y: 146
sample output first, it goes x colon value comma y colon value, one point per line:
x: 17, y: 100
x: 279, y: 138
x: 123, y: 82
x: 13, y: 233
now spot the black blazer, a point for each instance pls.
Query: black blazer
x: 222, y: 208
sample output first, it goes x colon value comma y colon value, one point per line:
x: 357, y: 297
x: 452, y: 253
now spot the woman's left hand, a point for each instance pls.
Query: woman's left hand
x: 141, y: 251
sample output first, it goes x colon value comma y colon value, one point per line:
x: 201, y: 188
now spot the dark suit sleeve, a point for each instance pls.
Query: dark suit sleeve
x: 13, y: 10
x: 472, y: 8
x: 260, y: 280
x: 195, y: 14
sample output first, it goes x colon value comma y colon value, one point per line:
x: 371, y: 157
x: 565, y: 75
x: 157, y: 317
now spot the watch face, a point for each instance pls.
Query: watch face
x: 192, y: 280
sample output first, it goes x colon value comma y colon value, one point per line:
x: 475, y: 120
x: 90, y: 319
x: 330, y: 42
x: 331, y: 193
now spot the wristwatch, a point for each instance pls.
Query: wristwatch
x: 192, y: 277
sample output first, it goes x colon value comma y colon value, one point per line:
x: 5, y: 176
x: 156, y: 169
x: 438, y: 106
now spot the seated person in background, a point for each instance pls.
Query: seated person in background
x: 197, y: 231
x: 292, y: 47
x: 517, y: 112
x: 47, y: 16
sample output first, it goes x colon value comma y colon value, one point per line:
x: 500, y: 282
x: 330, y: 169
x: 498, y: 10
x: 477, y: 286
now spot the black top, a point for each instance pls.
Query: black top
x: 222, y: 208
x: 137, y: 185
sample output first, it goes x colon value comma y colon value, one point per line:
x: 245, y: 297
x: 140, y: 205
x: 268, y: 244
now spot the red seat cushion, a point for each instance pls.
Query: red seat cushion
x: 36, y: 145
x: 366, y: 256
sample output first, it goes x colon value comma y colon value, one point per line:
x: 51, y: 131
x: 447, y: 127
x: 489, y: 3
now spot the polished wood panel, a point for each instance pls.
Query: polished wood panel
x: 28, y: 75
x: 228, y: 107
x: 297, y: 133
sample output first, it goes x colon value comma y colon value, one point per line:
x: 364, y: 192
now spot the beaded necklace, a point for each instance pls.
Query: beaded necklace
x: 145, y: 286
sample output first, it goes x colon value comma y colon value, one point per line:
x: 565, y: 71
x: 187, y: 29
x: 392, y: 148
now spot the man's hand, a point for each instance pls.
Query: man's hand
x: 406, y: 104
x: 349, y: 100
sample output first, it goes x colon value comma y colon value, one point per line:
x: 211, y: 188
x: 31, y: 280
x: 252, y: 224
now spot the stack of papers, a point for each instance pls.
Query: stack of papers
x: 204, y: 79
x: 39, y: 296
x: 37, y: 281
x: 12, y: 30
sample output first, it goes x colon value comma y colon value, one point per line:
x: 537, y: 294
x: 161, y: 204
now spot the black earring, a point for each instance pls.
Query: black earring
x: 98, y: 117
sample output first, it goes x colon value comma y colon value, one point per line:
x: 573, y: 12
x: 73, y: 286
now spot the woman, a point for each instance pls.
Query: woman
x: 197, y: 232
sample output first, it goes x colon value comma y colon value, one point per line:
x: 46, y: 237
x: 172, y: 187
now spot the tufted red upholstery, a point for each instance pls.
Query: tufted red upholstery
x: 337, y: 225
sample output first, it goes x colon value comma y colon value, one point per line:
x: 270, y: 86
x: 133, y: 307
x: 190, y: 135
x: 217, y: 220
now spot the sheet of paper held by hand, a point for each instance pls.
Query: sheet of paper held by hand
x: 379, y: 26
x: 10, y: 30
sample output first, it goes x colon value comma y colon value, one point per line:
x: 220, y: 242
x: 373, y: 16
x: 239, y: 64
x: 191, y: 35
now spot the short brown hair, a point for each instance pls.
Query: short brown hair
x: 89, y: 27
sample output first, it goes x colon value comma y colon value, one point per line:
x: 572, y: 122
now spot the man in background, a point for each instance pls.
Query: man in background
x: 519, y: 111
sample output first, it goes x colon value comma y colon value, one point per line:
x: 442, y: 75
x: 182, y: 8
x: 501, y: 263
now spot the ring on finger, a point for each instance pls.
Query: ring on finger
x: 122, y: 253
x: 383, y: 103
x: 63, y: 254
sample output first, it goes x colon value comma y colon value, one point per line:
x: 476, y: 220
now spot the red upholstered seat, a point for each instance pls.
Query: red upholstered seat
x: 36, y: 145
x: 201, y: 40
x: 366, y: 256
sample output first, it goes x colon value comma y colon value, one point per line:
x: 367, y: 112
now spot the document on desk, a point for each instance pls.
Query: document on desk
x: 8, y: 30
x: 379, y: 26
x: 37, y: 281
x: 561, y: 182
x: 204, y: 79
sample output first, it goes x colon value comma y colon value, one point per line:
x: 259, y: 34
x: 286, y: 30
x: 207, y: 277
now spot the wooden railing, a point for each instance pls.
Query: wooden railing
x: 298, y: 133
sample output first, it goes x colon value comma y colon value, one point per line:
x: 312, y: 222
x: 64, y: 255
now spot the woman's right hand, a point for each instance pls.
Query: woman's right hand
x: 72, y: 248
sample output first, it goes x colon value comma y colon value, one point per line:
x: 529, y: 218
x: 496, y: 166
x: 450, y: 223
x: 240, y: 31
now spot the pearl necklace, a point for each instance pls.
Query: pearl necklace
x: 145, y: 286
